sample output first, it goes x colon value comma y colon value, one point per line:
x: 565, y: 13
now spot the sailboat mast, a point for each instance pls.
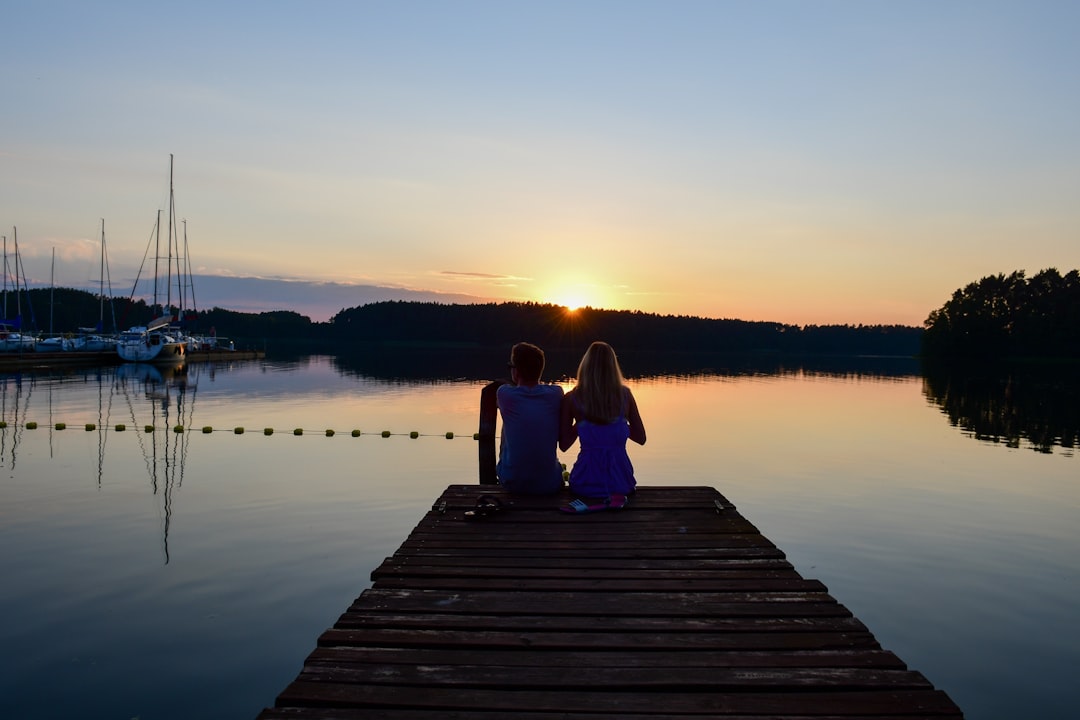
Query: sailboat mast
x: 157, y: 257
x: 172, y: 215
x: 5, y: 277
x: 188, y: 288
x: 101, y: 282
x: 52, y: 289
x: 18, y: 296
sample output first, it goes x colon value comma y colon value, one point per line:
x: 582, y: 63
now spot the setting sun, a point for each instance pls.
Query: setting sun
x: 575, y: 296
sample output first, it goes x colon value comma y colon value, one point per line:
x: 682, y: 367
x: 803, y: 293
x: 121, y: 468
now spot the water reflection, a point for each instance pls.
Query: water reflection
x: 1040, y: 406
x: 1012, y: 405
x: 148, y: 402
x: 14, y: 404
x: 419, y: 364
x: 163, y: 441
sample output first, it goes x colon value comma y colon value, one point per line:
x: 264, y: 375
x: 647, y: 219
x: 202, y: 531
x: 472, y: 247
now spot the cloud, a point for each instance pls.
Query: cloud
x: 500, y: 278
x: 317, y: 300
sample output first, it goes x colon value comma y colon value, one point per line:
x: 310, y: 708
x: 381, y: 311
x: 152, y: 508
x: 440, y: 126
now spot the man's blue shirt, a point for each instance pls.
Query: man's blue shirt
x: 528, y: 462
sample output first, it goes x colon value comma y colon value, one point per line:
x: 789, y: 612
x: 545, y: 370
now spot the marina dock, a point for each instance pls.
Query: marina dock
x: 673, y: 606
x: 21, y: 361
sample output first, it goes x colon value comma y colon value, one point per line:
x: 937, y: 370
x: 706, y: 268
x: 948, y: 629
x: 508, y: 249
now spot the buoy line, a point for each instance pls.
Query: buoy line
x: 239, y: 430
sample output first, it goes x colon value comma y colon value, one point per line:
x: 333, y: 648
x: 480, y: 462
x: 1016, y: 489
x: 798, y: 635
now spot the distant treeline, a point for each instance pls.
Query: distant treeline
x: 1009, y: 316
x: 419, y: 324
x: 552, y: 326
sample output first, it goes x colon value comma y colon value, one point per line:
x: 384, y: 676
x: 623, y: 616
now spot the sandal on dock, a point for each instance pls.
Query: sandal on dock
x: 580, y: 507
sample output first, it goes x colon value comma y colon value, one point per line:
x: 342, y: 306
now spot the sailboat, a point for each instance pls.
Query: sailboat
x: 156, y: 341
x: 93, y: 339
x: 12, y: 339
x: 53, y: 342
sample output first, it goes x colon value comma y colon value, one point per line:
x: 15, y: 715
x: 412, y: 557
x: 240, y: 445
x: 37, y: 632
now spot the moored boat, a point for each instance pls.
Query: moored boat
x: 155, y: 343
x: 158, y: 341
x: 11, y: 340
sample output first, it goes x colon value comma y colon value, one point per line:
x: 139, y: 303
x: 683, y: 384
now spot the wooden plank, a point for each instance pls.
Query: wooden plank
x: 604, y: 604
x: 375, y: 713
x: 584, y: 564
x: 576, y: 657
x: 620, y: 703
x: 539, y: 640
x: 596, y: 678
x: 613, y: 624
x: 675, y: 606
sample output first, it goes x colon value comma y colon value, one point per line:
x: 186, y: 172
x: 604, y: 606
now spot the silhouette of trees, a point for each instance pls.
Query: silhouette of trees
x: 1009, y: 316
x: 554, y: 327
x: 404, y: 324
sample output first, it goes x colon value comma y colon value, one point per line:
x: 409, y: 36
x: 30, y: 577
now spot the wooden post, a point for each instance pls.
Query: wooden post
x: 489, y: 410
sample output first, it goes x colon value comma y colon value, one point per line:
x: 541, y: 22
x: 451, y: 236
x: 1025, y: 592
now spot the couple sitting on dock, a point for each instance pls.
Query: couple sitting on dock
x: 600, y: 412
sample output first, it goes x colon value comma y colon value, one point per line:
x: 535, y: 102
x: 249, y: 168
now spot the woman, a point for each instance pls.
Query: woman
x: 602, y: 413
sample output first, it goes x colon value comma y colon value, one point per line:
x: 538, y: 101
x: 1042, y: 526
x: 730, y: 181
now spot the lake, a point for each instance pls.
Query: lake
x: 164, y: 574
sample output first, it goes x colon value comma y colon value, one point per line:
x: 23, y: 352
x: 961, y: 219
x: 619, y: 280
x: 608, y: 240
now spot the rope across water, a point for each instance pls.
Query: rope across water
x: 207, y: 429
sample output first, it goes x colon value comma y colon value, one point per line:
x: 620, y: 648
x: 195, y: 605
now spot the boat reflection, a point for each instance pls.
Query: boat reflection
x: 15, y: 392
x: 172, y: 393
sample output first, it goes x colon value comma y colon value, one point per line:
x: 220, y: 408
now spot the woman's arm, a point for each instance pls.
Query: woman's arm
x: 637, y: 428
x: 567, y: 426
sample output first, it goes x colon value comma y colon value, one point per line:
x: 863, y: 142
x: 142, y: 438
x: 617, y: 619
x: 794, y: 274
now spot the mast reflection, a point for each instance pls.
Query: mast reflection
x: 164, y: 450
x: 15, y: 393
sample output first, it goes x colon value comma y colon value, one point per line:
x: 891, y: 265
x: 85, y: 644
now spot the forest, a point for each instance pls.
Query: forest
x: 1009, y: 317
x: 553, y: 326
x: 420, y: 324
x: 998, y: 317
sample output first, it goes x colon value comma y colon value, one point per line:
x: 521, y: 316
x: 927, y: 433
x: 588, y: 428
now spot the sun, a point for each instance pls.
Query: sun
x: 572, y: 306
x: 574, y: 294
x: 572, y: 299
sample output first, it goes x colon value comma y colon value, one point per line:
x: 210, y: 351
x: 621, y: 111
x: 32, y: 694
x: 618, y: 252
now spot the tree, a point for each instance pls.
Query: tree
x: 1008, y: 316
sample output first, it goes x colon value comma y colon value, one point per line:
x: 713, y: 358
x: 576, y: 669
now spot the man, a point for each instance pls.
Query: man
x: 530, y: 426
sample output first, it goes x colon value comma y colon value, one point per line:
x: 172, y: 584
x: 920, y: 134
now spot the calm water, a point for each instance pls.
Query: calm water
x: 177, y: 575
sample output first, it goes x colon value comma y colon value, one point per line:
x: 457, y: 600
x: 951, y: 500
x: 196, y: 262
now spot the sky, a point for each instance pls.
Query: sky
x: 804, y: 162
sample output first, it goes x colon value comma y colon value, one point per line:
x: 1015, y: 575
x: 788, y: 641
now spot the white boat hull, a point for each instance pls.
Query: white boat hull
x: 150, y: 346
x: 16, y: 342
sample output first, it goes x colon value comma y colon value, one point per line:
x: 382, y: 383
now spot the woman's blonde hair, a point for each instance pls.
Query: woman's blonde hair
x: 600, y: 384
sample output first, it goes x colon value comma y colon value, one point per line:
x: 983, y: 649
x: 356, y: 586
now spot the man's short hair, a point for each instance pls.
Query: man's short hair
x: 529, y: 361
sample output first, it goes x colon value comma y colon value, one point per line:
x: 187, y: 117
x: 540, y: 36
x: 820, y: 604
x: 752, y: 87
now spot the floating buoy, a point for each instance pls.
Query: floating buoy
x: 239, y: 430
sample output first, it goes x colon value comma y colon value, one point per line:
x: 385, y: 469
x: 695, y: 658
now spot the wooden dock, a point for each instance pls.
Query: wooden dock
x: 673, y: 607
